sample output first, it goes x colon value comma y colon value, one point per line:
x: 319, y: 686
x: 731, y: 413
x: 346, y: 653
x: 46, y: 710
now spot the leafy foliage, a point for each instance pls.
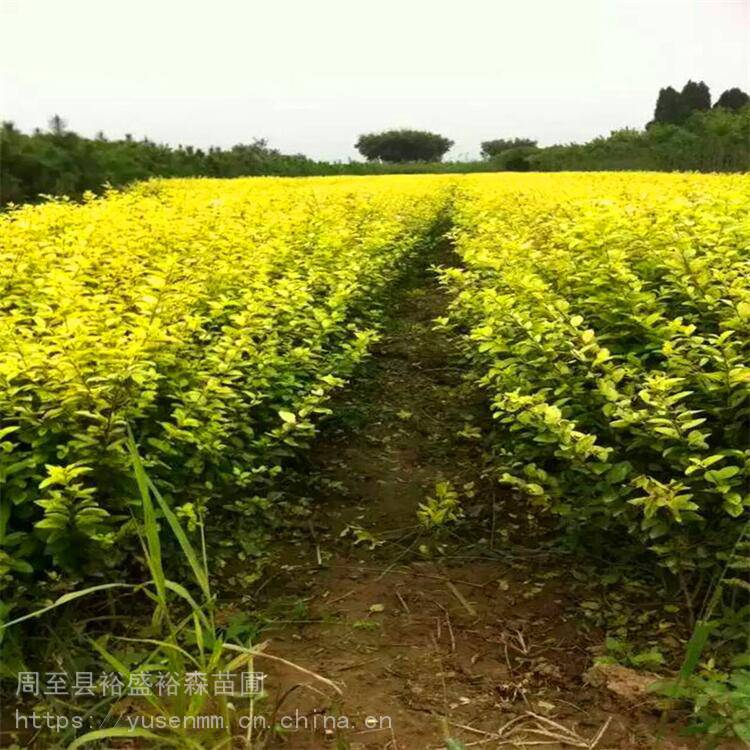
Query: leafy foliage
x: 668, y: 106
x: 491, y: 149
x: 609, y: 320
x: 674, y: 107
x: 61, y: 162
x: 606, y: 316
x: 441, y: 508
x: 695, y: 97
x: 403, y: 146
x: 734, y: 99
x: 713, y: 141
x: 213, y: 317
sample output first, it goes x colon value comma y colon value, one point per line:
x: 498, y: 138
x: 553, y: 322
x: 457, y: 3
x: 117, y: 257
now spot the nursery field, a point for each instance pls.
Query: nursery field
x: 213, y: 318
x: 206, y: 384
x: 608, y: 318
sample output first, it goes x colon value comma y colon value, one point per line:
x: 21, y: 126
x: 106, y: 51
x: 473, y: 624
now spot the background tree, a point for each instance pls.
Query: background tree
x: 57, y: 125
x: 668, y: 106
x: 694, y: 97
x: 673, y: 108
x: 61, y: 162
x: 491, y: 149
x: 734, y: 99
x: 403, y: 146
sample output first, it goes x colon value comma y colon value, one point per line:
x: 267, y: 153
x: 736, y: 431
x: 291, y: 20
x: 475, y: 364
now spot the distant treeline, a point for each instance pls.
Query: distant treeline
x: 58, y: 161
x: 715, y: 140
x: 61, y: 162
x: 687, y: 133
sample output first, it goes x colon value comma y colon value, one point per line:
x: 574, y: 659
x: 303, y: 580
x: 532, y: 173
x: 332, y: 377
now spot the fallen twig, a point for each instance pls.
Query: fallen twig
x: 460, y: 598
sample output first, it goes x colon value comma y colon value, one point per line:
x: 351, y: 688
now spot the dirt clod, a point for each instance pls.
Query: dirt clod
x: 627, y: 683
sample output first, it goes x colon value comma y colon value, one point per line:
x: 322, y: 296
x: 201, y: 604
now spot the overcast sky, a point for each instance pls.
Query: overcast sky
x: 310, y: 75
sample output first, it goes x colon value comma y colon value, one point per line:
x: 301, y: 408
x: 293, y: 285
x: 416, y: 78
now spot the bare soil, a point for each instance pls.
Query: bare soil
x: 487, y: 642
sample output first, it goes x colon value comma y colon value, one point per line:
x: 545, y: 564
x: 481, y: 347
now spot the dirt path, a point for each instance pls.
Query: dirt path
x: 489, y: 635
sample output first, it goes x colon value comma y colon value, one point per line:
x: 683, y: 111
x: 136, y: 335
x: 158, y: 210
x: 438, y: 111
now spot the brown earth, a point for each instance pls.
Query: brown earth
x: 484, y: 641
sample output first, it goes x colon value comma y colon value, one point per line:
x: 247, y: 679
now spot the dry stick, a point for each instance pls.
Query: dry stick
x: 492, y: 531
x: 528, y: 743
x: 519, y: 635
x: 546, y: 720
x: 262, y: 654
x: 472, y: 729
x: 313, y: 689
x: 574, y: 740
x: 280, y: 701
x: 600, y: 734
x: 412, y: 571
x: 566, y: 736
x: 403, y: 603
x: 562, y: 739
x: 442, y: 578
x: 507, y: 660
x: 340, y: 598
x: 448, y: 623
x: 568, y: 703
x: 460, y: 598
x: 477, y: 742
x: 251, y: 706
x: 266, y: 581
x: 505, y: 643
x: 355, y: 665
x: 315, y: 542
x: 450, y: 631
x: 509, y: 724
x: 398, y: 557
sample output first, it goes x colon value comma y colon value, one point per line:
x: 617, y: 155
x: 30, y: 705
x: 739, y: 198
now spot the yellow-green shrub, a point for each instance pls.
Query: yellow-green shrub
x: 214, y: 317
x: 608, y: 316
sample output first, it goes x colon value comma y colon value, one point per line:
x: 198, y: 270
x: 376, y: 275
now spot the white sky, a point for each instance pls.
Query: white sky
x: 310, y: 75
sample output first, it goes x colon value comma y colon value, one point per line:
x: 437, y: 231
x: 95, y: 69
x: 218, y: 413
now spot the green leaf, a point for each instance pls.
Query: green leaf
x: 717, y: 476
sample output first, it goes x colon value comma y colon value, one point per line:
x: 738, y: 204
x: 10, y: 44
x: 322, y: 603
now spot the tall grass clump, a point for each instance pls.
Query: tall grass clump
x: 185, y: 640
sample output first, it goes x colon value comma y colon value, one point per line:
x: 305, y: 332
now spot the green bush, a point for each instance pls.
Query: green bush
x: 609, y: 319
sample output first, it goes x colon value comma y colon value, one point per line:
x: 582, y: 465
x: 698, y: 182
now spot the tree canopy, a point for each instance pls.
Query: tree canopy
x: 695, y: 97
x: 734, y: 99
x: 494, y: 148
x: 403, y: 146
x: 668, y: 106
x: 673, y: 107
x: 58, y: 161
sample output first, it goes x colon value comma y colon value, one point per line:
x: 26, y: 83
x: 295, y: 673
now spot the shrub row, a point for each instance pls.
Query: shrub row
x: 608, y: 318
x: 212, y: 317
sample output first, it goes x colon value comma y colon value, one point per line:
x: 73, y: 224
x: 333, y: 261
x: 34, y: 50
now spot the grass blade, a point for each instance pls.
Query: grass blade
x: 65, y: 599
x: 151, y: 527
x: 187, y: 548
x: 695, y: 647
x: 124, y: 733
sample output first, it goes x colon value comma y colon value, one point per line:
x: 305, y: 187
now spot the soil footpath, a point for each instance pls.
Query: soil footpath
x: 486, y: 643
